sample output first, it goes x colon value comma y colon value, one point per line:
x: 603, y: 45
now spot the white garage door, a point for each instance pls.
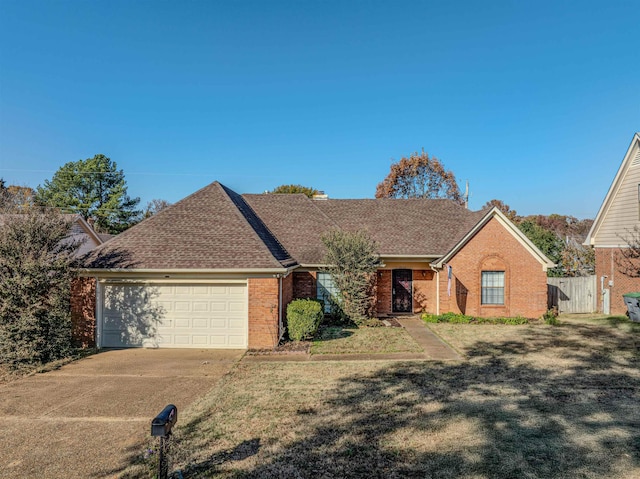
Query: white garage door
x: 174, y: 316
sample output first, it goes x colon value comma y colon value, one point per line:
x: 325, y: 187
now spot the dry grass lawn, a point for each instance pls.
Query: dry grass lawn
x: 339, y: 340
x: 529, y: 401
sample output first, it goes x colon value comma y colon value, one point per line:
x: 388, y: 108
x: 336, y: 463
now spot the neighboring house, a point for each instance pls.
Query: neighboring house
x: 612, y: 230
x: 80, y: 230
x: 217, y: 269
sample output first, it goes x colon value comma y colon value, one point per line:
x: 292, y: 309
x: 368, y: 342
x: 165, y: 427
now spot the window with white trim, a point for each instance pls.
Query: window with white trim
x: 492, y: 287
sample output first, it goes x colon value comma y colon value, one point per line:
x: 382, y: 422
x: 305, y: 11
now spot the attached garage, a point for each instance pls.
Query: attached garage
x: 173, y: 315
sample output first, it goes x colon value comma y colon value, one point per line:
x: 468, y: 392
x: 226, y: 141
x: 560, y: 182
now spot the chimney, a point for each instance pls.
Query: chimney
x: 320, y: 195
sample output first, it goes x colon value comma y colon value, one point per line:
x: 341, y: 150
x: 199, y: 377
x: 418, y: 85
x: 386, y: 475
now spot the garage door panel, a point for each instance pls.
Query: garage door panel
x: 175, y: 316
x: 201, y: 306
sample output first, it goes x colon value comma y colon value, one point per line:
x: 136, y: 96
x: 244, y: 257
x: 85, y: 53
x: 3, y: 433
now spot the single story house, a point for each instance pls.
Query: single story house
x: 217, y: 269
x: 613, y: 229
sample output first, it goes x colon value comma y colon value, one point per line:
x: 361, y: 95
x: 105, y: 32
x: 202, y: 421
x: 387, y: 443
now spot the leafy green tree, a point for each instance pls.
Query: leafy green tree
x: 93, y: 188
x: 293, y: 189
x: 419, y: 176
x: 36, y: 259
x: 352, y: 260
x: 547, y: 241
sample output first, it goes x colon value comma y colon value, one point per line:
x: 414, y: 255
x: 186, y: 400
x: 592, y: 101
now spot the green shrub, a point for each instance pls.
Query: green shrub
x: 336, y: 312
x: 429, y: 318
x: 514, y: 321
x: 36, y: 258
x: 303, y: 318
x: 551, y: 316
x: 454, y: 318
x: 353, y: 260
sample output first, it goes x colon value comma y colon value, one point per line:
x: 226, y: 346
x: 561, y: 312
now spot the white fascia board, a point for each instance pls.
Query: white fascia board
x: 411, y: 257
x: 88, y: 229
x: 611, y: 193
x: 510, y: 227
x: 112, y: 272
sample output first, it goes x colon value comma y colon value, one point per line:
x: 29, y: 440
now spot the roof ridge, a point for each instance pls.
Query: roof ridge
x: 268, y: 240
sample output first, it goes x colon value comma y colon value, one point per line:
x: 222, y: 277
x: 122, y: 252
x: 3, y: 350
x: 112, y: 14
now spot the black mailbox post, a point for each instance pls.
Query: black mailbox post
x: 161, y: 427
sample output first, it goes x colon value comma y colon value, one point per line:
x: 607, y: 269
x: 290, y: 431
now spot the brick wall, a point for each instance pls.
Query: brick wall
x: 83, y: 312
x: 493, y: 248
x: 304, y: 284
x: 383, y: 292
x: 263, y: 312
x: 607, y: 264
x: 424, y: 291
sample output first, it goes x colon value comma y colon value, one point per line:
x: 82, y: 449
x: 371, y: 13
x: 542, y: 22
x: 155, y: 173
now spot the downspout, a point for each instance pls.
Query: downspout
x: 99, y: 313
x: 280, y: 322
x: 437, y: 292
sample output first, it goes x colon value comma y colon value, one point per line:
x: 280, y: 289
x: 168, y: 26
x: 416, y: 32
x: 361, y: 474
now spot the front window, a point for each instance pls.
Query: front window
x: 493, y: 287
x: 326, y: 290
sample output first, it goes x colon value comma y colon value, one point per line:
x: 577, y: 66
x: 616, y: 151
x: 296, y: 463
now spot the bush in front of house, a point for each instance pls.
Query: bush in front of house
x: 454, y: 318
x: 353, y: 259
x: 36, y: 259
x: 303, y: 318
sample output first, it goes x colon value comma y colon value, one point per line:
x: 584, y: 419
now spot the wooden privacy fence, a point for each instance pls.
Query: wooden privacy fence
x: 573, y: 295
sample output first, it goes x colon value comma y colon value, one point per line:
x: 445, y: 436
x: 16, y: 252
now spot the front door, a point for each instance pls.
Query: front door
x: 401, y: 294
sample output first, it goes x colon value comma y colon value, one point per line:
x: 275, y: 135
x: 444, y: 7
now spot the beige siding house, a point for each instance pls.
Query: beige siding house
x: 612, y: 230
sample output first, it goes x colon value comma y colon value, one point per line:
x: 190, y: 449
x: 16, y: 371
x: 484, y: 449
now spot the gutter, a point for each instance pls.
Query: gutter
x: 180, y: 271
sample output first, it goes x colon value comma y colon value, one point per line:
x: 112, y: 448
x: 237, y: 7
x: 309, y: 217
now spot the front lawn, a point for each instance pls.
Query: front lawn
x: 530, y: 401
x: 353, y: 340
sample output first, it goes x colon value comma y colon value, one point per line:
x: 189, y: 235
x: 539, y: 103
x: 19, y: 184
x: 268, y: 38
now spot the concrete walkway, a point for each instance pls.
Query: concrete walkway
x: 434, y: 349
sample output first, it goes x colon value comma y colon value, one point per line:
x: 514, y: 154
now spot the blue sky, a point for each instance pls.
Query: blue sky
x: 533, y: 103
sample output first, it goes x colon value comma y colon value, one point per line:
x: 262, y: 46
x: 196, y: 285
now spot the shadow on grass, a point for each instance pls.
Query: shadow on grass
x: 496, y: 416
x: 329, y: 333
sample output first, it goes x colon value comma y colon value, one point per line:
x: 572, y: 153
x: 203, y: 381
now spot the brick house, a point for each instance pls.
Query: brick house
x: 613, y: 227
x: 217, y: 269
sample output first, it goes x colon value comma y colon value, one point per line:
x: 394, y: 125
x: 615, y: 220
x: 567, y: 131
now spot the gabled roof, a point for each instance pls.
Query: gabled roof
x: 509, y: 226
x: 216, y: 229
x: 212, y: 229
x: 631, y: 157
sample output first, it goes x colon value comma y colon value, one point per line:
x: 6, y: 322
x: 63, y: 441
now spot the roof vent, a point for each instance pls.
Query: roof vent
x: 320, y: 195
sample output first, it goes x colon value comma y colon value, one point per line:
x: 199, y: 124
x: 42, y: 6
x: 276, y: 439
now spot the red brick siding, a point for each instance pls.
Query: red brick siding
x: 494, y: 248
x: 304, y: 284
x: 263, y: 312
x: 83, y: 312
x: 607, y: 264
x: 424, y: 291
x: 287, y: 297
x: 383, y: 292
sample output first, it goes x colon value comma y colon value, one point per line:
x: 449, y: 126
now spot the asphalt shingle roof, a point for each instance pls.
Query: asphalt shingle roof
x: 421, y: 227
x: 206, y: 230
x: 216, y: 228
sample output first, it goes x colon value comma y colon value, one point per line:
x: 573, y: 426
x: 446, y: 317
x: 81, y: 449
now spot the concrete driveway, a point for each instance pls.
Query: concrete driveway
x: 91, y: 418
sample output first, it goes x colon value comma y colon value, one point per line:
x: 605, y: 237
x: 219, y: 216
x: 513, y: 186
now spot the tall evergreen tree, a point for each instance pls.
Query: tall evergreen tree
x: 93, y: 188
